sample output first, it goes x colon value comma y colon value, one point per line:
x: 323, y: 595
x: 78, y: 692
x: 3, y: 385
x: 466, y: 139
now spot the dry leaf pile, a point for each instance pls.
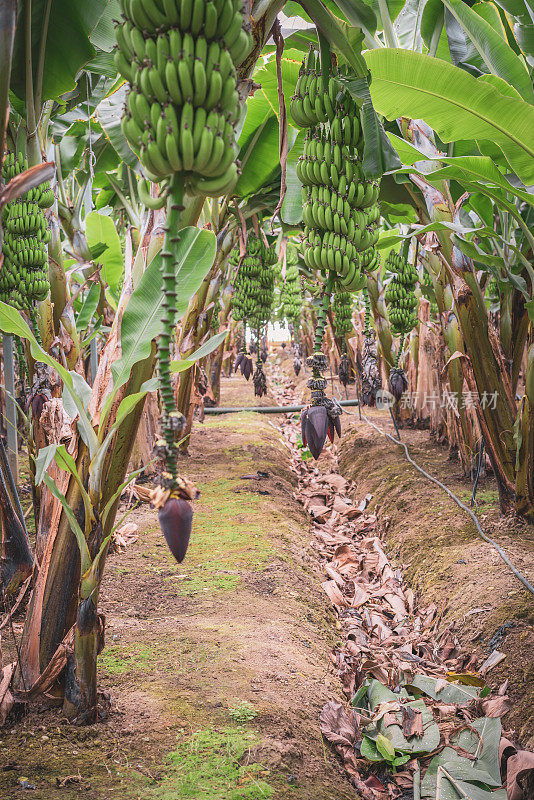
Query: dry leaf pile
x: 418, y: 717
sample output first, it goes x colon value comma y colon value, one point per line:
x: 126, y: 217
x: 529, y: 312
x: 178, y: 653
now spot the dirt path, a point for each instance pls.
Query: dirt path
x: 217, y: 668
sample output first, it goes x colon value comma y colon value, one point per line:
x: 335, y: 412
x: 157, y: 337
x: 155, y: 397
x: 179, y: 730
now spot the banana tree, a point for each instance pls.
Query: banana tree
x: 479, y: 209
x: 91, y: 477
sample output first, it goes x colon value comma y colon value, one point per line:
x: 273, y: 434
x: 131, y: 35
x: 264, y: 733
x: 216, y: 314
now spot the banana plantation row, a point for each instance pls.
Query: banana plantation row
x: 194, y: 171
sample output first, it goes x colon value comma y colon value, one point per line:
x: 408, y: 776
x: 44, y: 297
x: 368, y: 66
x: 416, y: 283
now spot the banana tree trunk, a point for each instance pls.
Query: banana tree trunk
x: 378, y: 307
x: 16, y: 562
x: 524, y: 484
x: 463, y: 434
x: 53, y: 603
x: 496, y: 408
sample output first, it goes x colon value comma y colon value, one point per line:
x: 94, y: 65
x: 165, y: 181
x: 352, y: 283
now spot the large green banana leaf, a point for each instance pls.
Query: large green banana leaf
x: 141, y: 322
x: 68, y: 30
x: 101, y: 233
x: 456, y: 105
x: 496, y: 54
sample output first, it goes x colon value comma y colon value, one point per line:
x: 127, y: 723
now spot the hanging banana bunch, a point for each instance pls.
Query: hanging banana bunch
x: 215, y: 315
x: 291, y: 294
x: 253, y: 301
x: 248, y: 272
x: 340, y: 209
x: 340, y: 213
x: 342, y: 307
x: 24, y: 275
x: 402, y: 311
x: 263, y: 294
x: 180, y: 60
x: 292, y: 302
x: 181, y: 109
x: 431, y: 295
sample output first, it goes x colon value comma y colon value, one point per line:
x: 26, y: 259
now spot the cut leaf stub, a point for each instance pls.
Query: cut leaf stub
x: 176, y: 519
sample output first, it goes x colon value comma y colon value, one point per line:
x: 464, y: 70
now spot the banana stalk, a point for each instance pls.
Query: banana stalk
x: 378, y: 306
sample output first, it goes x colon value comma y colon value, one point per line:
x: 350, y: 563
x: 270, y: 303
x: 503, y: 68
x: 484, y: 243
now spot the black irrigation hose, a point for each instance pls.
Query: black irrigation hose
x: 458, y: 502
x: 269, y: 409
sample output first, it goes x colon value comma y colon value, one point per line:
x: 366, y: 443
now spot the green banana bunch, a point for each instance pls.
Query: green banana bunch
x: 24, y: 275
x: 313, y: 102
x: 340, y: 208
x: 342, y: 306
x: 399, y: 295
x: 292, y: 296
x: 254, y: 283
x: 180, y: 60
x: 217, y: 308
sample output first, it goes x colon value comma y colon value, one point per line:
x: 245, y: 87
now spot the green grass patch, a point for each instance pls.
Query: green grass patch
x: 230, y: 532
x: 242, y: 712
x: 213, y: 765
x: 181, y: 656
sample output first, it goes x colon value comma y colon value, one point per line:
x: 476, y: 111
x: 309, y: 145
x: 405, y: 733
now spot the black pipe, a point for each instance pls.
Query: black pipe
x: 269, y: 409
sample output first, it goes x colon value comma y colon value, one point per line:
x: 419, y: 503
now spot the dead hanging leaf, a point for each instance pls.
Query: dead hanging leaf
x: 56, y: 424
x: 27, y: 180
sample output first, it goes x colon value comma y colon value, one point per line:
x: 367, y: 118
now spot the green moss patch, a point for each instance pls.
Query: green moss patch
x: 211, y: 765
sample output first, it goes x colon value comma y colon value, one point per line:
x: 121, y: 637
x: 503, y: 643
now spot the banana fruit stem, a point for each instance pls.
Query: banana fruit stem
x: 168, y: 273
x: 367, y: 320
x: 399, y: 351
x: 35, y: 324
x: 321, y: 316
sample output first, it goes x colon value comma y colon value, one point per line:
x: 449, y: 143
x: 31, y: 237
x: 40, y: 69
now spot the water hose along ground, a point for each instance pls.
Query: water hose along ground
x: 458, y: 502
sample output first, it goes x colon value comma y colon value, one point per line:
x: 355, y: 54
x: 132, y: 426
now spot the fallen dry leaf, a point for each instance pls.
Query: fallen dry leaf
x: 336, y: 596
x: 492, y: 660
x: 496, y: 706
x: 412, y: 722
x: 520, y: 776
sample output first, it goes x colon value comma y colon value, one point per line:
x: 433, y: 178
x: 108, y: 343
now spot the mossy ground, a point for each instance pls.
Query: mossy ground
x: 215, y: 667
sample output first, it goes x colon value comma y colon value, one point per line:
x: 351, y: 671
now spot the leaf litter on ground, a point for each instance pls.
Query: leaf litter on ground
x: 417, y: 702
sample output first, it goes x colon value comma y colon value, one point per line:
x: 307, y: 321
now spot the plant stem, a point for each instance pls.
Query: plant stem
x: 168, y: 273
x: 399, y: 351
x: 387, y: 25
x: 40, y: 64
